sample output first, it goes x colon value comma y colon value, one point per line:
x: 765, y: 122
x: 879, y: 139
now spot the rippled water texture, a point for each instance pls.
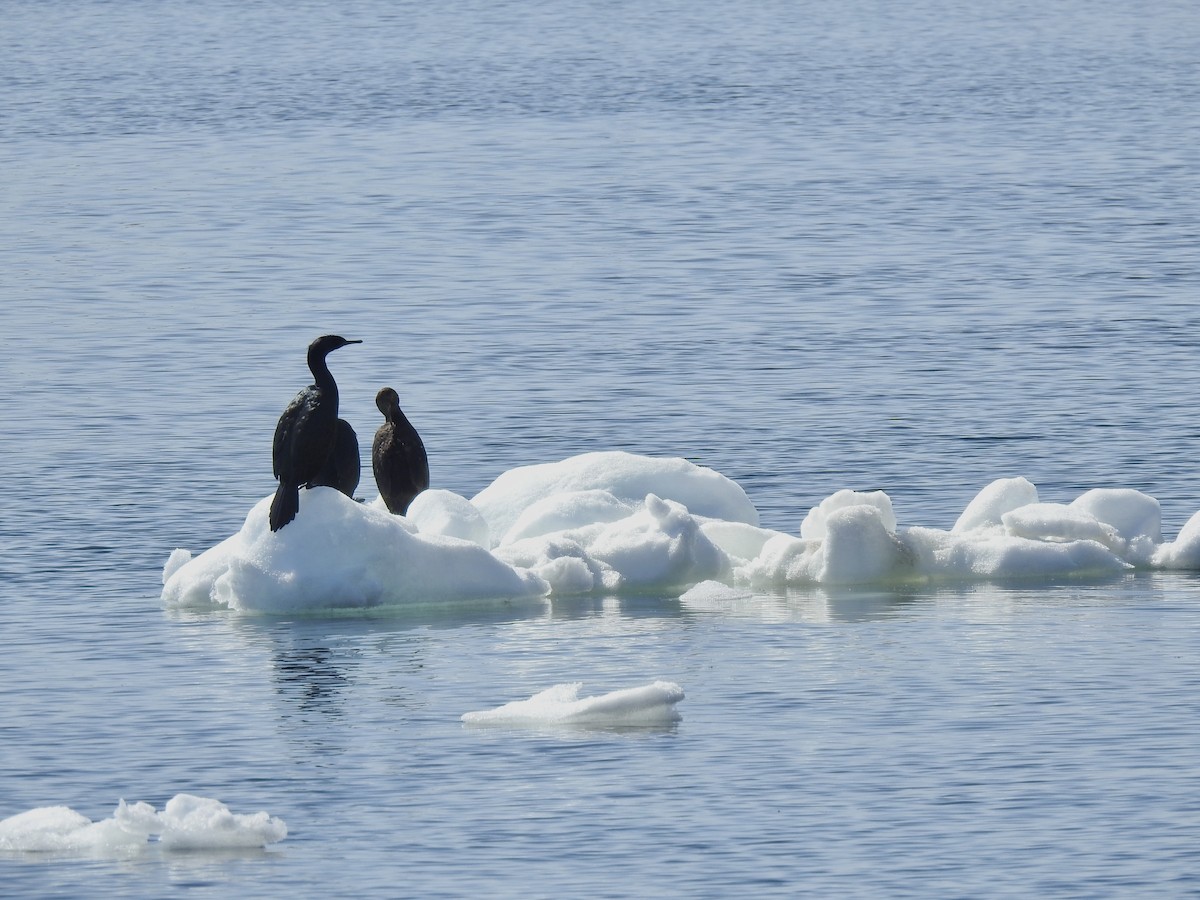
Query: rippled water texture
x: 813, y: 246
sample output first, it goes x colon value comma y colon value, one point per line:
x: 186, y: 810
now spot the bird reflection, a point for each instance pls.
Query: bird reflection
x: 309, y: 676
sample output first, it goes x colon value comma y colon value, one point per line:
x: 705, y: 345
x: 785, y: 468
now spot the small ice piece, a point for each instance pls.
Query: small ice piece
x: 199, y: 823
x: 62, y: 829
x: 1001, y: 496
x: 714, y: 592
x: 187, y: 823
x: 46, y: 828
x: 647, y: 706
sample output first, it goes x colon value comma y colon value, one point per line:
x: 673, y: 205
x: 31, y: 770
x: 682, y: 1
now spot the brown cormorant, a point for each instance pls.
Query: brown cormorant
x: 397, y: 455
x: 306, y: 433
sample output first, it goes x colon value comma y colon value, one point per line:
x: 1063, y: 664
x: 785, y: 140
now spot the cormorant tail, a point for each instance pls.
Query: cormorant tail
x: 285, y: 505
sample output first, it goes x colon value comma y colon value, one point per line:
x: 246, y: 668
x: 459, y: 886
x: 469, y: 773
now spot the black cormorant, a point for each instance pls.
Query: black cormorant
x: 343, y: 468
x: 306, y: 433
x: 398, y: 456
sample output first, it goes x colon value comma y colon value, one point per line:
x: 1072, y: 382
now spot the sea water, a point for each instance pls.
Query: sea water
x: 812, y: 247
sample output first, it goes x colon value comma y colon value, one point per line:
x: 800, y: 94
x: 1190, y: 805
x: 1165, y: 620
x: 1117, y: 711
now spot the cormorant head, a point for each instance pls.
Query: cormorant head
x: 387, y: 400
x: 326, y: 344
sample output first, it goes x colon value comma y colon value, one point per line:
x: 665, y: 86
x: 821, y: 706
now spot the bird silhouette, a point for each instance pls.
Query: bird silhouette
x: 307, y: 432
x: 398, y: 456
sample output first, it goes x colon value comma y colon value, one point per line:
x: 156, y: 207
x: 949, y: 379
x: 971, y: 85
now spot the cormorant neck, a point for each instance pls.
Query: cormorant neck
x: 322, y: 377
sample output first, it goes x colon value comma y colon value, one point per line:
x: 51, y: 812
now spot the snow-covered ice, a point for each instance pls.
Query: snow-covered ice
x: 614, y: 521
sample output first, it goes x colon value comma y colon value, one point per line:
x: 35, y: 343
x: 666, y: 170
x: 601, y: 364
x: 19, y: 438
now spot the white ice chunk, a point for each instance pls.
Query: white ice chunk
x: 737, y: 539
x: 648, y: 705
x: 187, y: 822
x: 784, y: 560
x: 1059, y: 522
x: 59, y: 828
x: 814, y: 525
x: 713, y: 592
x: 1184, y: 551
x: 178, y: 559
x: 994, y: 555
x: 625, y: 476
x: 614, y: 521
x: 338, y: 553
x: 562, y: 562
x: 566, y: 510
x: 442, y: 512
x: 660, y: 545
x: 848, y: 539
x: 1133, y: 514
x: 990, y: 504
x: 199, y: 823
x: 860, y: 546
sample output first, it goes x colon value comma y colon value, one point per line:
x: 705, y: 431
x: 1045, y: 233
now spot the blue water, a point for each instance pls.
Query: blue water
x: 814, y: 246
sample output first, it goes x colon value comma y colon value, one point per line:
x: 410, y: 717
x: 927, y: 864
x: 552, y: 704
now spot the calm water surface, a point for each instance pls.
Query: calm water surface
x: 813, y: 246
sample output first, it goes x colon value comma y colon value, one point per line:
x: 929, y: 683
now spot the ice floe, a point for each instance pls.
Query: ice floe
x: 616, y: 522
x: 187, y: 822
x: 645, y: 706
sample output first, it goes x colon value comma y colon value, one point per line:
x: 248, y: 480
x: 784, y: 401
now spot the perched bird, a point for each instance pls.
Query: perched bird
x: 397, y: 455
x: 306, y: 433
x: 343, y: 468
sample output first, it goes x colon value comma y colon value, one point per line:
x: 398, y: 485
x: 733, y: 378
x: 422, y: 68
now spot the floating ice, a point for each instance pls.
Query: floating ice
x: 648, y: 705
x: 198, y: 823
x: 338, y: 553
x: 714, y: 592
x: 613, y: 522
x: 61, y: 829
x: 187, y: 822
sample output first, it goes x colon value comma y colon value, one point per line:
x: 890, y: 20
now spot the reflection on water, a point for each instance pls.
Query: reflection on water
x: 310, y: 676
x: 573, y: 731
